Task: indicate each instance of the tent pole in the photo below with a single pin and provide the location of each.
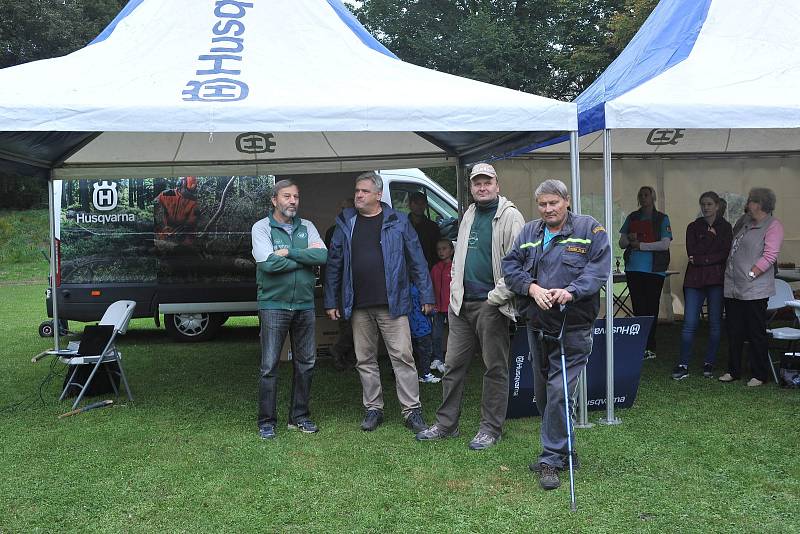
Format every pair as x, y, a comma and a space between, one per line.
610, 418
575, 173
53, 295
460, 193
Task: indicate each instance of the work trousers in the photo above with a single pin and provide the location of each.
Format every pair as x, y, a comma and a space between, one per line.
645, 290
367, 323
548, 388
275, 324
478, 325
747, 321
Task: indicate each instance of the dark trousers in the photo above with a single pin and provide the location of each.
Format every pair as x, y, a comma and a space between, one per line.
479, 325
645, 290
548, 388
422, 353
275, 324
746, 320
437, 336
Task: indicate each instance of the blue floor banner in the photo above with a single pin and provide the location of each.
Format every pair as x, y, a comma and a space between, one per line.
630, 338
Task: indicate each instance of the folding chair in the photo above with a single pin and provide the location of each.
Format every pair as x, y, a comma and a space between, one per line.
118, 315
784, 333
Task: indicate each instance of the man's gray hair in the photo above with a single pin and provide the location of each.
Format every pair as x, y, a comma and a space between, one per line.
763, 196
552, 187
373, 177
281, 184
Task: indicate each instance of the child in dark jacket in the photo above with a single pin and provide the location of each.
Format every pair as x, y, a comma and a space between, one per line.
440, 275
421, 338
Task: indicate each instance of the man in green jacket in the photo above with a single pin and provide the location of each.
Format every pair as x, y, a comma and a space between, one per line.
286, 249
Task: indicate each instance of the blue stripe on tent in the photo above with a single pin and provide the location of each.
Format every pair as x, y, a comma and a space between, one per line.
665, 39
127, 10
358, 29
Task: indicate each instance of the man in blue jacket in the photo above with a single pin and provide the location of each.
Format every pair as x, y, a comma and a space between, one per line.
559, 260
373, 253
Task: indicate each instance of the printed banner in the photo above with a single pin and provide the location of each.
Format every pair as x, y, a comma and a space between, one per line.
630, 338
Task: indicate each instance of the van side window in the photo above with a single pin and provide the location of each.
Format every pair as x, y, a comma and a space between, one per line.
439, 211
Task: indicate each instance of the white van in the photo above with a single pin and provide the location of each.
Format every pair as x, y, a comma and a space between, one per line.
180, 246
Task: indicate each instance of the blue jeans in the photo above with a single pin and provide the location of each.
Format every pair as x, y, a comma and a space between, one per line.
275, 324
437, 336
693, 304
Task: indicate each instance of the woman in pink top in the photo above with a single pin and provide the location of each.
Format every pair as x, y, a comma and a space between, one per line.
749, 282
440, 275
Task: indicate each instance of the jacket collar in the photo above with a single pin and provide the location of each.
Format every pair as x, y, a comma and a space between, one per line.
275, 224
566, 229
348, 215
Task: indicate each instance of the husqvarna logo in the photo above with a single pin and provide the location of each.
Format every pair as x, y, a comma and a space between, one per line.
104, 197
665, 136
255, 143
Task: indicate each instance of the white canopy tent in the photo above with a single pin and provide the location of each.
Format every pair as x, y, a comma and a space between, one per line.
701, 76
248, 87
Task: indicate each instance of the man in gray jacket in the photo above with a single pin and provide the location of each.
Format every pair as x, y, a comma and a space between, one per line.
560, 259
480, 310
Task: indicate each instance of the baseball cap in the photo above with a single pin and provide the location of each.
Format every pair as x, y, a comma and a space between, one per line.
483, 169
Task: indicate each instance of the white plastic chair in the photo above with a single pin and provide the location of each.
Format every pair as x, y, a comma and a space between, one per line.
117, 315
778, 301
785, 333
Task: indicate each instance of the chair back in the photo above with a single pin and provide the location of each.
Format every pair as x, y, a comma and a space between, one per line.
783, 294
119, 315
795, 305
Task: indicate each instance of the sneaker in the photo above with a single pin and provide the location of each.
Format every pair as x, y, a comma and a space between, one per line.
438, 365
649, 355
436, 432
306, 426
415, 422
708, 370
726, 378
430, 378
536, 467
266, 431
372, 420
548, 477
482, 441
754, 382
680, 372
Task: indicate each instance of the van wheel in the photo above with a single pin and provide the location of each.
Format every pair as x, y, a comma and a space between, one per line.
191, 327
46, 328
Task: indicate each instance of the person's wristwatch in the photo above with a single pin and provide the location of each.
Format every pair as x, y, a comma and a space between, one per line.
751, 275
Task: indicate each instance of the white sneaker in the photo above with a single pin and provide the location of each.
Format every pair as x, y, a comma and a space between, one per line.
437, 365
754, 382
430, 378
726, 378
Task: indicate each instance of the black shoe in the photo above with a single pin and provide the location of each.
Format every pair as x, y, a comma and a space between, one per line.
372, 420
548, 477
708, 370
306, 426
536, 467
266, 431
680, 372
415, 422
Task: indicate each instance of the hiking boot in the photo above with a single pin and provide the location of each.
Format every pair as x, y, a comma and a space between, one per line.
548, 477
415, 422
726, 378
430, 378
649, 355
306, 426
482, 441
372, 420
754, 382
708, 370
266, 431
536, 467
680, 372
436, 432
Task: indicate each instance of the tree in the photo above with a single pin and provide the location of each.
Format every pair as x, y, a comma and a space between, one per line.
38, 29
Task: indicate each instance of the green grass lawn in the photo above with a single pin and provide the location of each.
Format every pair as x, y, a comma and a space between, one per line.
695, 455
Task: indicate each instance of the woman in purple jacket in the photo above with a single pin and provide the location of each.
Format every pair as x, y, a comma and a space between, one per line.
708, 242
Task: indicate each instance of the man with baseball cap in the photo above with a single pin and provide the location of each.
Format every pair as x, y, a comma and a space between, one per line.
480, 309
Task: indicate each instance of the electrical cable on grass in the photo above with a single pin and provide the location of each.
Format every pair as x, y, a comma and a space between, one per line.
30, 401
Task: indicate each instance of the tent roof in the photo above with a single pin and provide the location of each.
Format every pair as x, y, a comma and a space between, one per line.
189, 78
703, 64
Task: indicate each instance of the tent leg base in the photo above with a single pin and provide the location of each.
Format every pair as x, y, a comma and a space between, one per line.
610, 422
